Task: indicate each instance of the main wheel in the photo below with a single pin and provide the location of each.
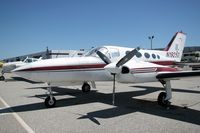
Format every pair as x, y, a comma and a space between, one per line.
161, 99
2, 78
86, 87
49, 103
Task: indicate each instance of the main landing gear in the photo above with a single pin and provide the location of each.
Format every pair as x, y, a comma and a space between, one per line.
2, 78
86, 87
164, 97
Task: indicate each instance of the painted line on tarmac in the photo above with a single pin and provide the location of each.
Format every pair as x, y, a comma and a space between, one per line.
18, 118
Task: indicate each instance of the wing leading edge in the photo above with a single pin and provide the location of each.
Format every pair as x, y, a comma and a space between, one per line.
180, 74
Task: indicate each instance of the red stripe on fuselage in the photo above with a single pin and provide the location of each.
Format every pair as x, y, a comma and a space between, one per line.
165, 63
76, 67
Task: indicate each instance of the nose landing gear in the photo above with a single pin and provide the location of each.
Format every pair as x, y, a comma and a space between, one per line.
50, 100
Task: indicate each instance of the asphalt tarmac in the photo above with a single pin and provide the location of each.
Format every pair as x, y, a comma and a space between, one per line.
22, 108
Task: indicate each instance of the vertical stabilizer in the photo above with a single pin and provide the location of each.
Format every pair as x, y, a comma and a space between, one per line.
175, 47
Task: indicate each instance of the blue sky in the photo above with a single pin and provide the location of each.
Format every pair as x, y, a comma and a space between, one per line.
28, 26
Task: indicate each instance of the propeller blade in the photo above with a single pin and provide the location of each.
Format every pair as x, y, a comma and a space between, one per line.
127, 57
103, 57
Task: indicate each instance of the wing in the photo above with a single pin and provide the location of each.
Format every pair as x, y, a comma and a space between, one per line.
179, 74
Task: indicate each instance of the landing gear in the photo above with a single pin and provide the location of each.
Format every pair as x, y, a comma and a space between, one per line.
50, 100
161, 100
2, 78
86, 87
164, 97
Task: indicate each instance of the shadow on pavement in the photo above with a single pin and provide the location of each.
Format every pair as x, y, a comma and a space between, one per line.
125, 104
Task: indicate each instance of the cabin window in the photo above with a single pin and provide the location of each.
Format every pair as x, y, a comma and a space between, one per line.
158, 56
147, 55
138, 54
154, 56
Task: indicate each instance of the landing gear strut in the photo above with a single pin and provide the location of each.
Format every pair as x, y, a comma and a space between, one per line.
86, 87
50, 100
164, 97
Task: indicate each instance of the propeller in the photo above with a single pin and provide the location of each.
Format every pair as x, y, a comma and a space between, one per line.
127, 57
103, 57
113, 68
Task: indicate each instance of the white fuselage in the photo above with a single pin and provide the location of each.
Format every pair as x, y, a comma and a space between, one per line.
87, 68
74, 69
145, 64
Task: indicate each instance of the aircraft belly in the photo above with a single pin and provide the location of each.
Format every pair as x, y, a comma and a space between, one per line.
68, 76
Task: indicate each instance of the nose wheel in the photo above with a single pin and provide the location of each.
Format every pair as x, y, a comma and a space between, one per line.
50, 100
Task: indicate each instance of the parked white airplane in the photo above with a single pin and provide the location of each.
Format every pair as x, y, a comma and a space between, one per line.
106, 64
8, 67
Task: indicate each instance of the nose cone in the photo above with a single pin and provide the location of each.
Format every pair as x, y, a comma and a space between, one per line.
22, 68
23, 71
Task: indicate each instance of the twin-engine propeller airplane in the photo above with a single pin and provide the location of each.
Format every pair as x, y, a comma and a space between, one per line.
110, 63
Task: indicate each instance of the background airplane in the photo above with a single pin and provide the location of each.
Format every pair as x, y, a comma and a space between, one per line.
8, 67
1, 64
110, 63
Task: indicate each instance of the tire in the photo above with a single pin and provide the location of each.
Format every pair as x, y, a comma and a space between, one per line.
2, 78
86, 87
50, 103
161, 99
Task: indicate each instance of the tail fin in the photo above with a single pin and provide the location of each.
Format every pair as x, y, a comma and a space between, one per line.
175, 47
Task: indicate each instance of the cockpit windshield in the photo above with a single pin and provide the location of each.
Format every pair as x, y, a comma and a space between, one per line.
92, 52
30, 60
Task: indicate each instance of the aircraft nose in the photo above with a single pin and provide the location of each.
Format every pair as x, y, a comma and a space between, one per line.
18, 69
22, 69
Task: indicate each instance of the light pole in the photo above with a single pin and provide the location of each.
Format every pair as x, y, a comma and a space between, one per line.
151, 38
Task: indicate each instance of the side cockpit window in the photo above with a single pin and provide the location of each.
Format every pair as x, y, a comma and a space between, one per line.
92, 52
28, 60
114, 52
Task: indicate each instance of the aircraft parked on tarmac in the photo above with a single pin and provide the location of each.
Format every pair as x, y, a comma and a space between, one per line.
110, 63
8, 67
